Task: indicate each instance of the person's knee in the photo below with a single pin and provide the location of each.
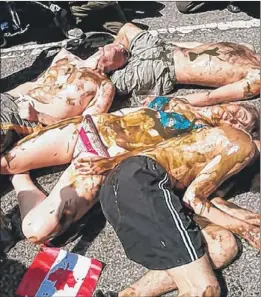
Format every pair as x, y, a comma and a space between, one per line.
33, 230
228, 247
225, 248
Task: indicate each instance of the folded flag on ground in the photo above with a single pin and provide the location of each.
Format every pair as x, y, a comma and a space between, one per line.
55, 272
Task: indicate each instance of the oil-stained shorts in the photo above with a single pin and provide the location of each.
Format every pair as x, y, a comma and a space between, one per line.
150, 220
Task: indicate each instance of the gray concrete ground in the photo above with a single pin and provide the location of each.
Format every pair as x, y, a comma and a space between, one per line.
239, 279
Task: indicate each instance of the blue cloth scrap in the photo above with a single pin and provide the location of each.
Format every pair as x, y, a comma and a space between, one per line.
176, 121
159, 103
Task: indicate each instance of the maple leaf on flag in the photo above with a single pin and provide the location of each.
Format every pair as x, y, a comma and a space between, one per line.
61, 277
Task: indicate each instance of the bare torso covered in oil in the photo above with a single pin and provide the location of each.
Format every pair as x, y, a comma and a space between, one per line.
143, 128
185, 157
215, 64
67, 85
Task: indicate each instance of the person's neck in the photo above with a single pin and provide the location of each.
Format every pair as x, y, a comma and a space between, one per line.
92, 61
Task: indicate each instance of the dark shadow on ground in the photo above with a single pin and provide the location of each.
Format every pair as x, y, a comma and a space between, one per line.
88, 228
6, 185
42, 28
222, 283
94, 222
247, 180
41, 63
252, 8
141, 9
85, 48
12, 272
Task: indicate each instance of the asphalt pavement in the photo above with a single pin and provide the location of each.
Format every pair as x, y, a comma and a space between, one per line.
241, 279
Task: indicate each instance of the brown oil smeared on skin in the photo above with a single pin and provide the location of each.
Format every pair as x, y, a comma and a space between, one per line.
137, 129
70, 101
211, 52
247, 91
211, 291
9, 158
62, 124
67, 76
129, 293
186, 157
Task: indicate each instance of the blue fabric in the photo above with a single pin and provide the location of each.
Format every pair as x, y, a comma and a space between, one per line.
159, 103
177, 121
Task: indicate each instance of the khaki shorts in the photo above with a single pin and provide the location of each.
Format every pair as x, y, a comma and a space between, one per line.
150, 69
12, 127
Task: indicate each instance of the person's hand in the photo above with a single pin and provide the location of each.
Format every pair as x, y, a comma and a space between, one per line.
146, 101
89, 165
27, 112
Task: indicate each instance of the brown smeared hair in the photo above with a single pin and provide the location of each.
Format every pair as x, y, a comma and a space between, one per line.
254, 126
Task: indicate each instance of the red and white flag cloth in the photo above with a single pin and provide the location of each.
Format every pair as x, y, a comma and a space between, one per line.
55, 272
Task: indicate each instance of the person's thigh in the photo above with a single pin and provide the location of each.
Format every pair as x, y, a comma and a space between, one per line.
69, 200
221, 245
148, 217
51, 147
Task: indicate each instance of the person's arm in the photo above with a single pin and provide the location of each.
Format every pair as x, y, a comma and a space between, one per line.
27, 112
236, 155
100, 165
244, 89
103, 99
46, 119
21, 89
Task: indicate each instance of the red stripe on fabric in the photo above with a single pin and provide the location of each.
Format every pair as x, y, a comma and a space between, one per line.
87, 142
37, 272
89, 284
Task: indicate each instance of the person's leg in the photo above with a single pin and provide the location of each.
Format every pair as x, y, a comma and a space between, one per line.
236, 211
221, 248
193, 44
98, 15
190, 6
127, 33
199, 6
221, 245
50, 146
155, 230
45, 217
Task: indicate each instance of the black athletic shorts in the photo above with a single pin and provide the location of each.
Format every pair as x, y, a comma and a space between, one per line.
150, 220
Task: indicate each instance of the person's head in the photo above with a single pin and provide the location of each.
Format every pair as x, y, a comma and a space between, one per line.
238, 115
113, 56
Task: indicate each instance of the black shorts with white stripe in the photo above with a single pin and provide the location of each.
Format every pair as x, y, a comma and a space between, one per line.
151, 222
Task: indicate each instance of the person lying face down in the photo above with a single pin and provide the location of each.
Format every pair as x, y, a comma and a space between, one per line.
69, 87
155, 66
